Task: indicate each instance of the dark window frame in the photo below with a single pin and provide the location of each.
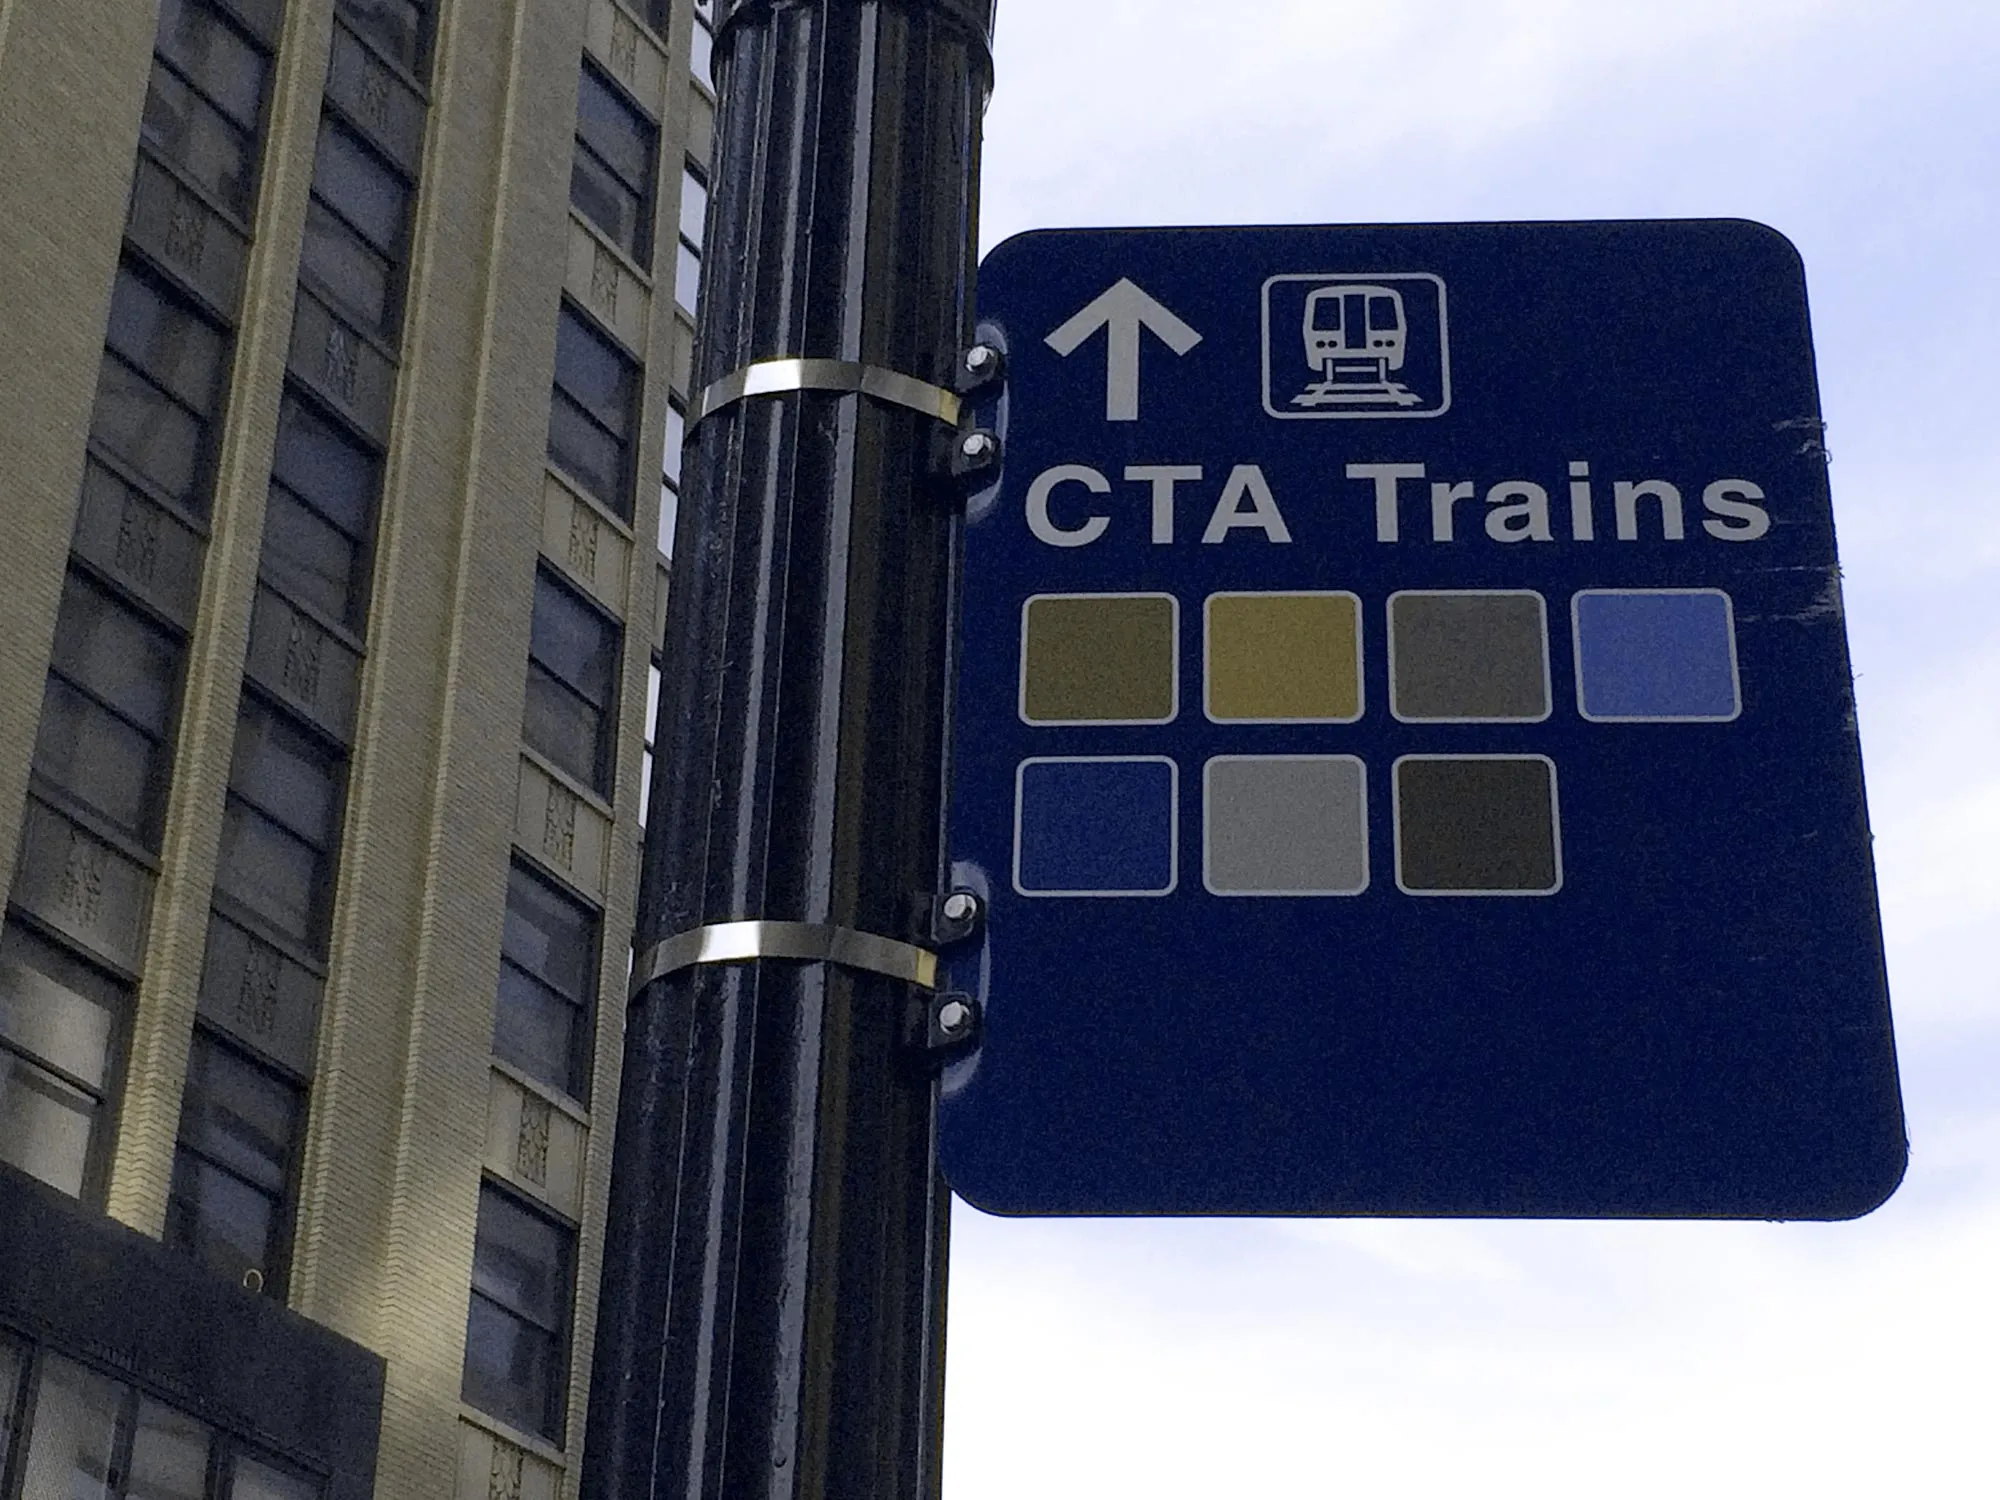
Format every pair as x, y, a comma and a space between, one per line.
414, 70
388, 335
284, 1218
606, 713
350, 624
644, 191
582, 1006
252, 133
563, 399
309, 947
117, 1049
555, 1417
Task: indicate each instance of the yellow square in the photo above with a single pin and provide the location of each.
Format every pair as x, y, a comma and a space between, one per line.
1098, 659
1284, 658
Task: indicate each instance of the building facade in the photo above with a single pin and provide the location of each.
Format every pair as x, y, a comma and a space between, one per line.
346, 350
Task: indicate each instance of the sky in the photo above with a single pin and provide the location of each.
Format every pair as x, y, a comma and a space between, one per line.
1411, 1359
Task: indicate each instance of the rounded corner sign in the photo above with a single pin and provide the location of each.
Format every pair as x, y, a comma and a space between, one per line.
1402, 677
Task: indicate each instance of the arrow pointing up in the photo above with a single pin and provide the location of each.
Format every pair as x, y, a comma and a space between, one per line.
1122, 311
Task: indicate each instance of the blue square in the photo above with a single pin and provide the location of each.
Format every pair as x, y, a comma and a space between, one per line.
1095, 827
1650, 655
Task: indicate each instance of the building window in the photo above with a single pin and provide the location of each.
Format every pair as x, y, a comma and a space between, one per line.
91, 1435
517, 1330
591, 412
229, 1204
60, 1019
657, 13
356, 225
548, 977
159, 388
396, 26
671, 455
321, 513
280, 823
204, 101
108, 707
650, 731
693, 225
572, 677
702, 62
611, 175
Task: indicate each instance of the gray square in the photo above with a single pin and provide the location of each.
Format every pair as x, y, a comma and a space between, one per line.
1469, 657
1284, 825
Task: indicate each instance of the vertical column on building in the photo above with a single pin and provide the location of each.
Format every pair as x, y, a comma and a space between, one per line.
78, 913
251, 1057
620, 336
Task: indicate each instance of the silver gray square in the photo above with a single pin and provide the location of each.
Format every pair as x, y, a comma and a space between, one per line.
1285, 826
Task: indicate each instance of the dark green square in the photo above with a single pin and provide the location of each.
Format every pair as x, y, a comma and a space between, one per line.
1477, 825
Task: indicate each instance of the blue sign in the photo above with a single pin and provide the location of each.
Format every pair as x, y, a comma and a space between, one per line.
1405, 738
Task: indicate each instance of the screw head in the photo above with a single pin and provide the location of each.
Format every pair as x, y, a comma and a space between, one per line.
961, 906
953, 1017
978, 445
980, 358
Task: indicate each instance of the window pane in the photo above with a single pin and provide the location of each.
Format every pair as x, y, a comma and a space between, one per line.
139, 542
549, 935
645, 787
75, 1436
325, 467
224, 65
99, 759
573, 641
670, 513
269, 871
56, 1007
135, 420
563, 727
396, 26
120, 657
189, 132
511, 1369
617, 132
594, 373
588, 454
359, 278
239, 1116
255, 1481
675, 448
357, 182
703, 62
687, 277
169, 1455
157, 333
45, 1125
520, 1260
308, 559
694, 206
606, 202
286, 772
536, 1030
222, 1221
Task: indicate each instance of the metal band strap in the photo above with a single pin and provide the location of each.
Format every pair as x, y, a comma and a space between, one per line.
772, 377
740, 942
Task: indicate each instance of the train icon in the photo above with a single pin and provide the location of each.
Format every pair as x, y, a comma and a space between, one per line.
1357, 346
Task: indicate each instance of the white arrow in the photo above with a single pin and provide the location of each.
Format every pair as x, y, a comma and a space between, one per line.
1122, 311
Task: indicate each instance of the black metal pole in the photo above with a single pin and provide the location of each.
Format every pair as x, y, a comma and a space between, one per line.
771, 1312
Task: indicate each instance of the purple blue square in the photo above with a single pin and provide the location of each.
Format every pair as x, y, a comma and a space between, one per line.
1653, 655
1102, 826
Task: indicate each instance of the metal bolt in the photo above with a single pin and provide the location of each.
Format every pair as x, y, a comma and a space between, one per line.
953, 1017
980, 358
960, 906
978, 446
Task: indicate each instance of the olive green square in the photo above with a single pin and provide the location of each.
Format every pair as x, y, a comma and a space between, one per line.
1284, 658
1098, 659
